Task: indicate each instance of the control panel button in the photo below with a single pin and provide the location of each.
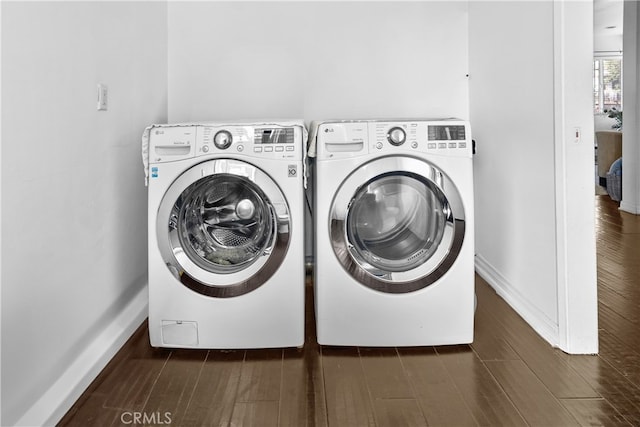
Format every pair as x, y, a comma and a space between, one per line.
431, 146
452, 145
379, 145
414, 144
268, 149
223, 139
257, 149
279, 148
205, 149
240, 148
442, 145
290, 148
396, 136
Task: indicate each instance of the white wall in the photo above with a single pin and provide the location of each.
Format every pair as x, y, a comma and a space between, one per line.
608, 44
317, 60
73, 195
512, 113
631, 129
607, 41
529, 89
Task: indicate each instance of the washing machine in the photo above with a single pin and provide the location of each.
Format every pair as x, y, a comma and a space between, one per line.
226, 235
394, 233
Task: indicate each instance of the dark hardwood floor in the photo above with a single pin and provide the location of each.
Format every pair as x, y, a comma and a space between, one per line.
508, 376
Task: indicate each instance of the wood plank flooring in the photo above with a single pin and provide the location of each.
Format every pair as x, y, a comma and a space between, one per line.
509, 376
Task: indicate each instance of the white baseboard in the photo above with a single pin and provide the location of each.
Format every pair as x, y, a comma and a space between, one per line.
61, 396
629, 208
534, 317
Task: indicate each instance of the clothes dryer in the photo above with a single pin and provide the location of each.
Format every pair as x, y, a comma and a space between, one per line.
226, 235
394, 233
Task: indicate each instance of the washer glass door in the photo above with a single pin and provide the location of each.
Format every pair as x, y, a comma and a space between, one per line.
401, 228
223, 223
223, 228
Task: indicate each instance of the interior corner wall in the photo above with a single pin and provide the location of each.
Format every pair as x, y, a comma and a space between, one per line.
511, 90
317, 60
73, 195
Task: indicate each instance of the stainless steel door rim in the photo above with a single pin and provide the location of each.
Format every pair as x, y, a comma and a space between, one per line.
397, 224
223, 228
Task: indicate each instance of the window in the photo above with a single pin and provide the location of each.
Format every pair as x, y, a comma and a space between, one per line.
607, 84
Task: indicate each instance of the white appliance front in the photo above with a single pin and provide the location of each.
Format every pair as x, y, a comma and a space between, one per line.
394, 233
226, 236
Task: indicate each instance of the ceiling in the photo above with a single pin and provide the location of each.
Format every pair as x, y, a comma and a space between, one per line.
607, 24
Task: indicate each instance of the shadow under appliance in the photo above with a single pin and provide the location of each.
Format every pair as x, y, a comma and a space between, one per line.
226, 235
394, 233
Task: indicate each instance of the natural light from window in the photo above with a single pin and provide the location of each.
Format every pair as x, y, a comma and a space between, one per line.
607, 84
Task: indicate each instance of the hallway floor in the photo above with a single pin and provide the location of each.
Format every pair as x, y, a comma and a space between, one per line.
508, 376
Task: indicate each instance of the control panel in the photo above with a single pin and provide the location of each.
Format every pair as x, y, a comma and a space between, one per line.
448, 137
443, 137
254, 141
172, 143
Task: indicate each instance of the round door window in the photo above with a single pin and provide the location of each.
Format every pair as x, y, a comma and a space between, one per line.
223, 228
397, 224
223, 222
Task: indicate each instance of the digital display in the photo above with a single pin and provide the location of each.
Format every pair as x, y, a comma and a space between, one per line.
266, 136
446, 133
273, 136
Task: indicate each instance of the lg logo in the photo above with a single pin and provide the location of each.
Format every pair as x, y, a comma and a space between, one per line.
144, 418
327, 130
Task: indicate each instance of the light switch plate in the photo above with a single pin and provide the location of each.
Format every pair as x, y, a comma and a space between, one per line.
103, 93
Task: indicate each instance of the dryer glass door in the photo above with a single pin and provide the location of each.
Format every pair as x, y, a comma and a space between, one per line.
223, 228
397, 224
